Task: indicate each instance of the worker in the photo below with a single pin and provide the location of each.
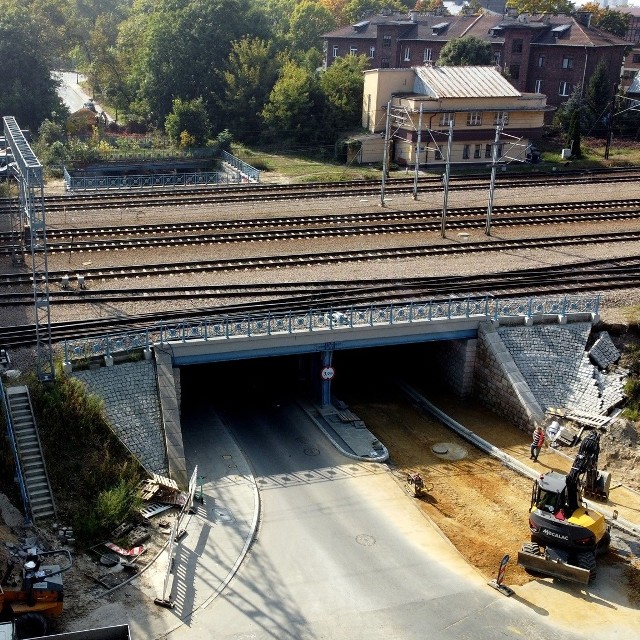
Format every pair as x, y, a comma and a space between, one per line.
536, 444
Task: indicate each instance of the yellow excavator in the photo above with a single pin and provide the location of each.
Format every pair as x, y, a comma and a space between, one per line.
566, 536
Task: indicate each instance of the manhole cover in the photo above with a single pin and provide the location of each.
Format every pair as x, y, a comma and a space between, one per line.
312, 451
365, 540
449, 451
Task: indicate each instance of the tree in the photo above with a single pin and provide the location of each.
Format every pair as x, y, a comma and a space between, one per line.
309, 20
252, 70
433, 6
553, 7
355, 10
562, 117
573, 135
289, 113
182, 47
597, 96
342, 85
466, 51
614, 22
187, 125
27, 90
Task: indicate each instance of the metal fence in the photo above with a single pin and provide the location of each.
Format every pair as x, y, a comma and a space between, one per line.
209, 328
104, 183
243, 173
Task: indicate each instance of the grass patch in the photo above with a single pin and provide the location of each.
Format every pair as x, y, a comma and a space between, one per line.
92, 475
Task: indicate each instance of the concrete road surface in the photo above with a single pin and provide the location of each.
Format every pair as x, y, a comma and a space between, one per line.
341, 553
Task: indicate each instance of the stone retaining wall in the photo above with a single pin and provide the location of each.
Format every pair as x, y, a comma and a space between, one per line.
500, 385
130, 395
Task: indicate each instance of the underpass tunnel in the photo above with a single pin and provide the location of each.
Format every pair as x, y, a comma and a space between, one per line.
365, 373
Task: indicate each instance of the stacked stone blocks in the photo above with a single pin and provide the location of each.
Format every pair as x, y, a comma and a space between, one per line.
130, 395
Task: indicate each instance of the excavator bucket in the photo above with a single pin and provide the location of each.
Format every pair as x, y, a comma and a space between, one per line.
538, 563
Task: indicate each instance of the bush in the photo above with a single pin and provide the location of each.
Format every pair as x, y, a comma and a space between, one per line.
92, 474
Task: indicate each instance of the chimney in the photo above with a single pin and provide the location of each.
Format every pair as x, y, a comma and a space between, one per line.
413, 16
584, 17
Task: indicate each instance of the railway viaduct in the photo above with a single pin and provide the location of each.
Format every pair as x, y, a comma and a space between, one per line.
502, 350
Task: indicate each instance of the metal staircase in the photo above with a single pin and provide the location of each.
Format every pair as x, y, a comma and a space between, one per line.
34, 471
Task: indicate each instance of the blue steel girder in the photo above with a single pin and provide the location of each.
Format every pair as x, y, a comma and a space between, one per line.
32, 217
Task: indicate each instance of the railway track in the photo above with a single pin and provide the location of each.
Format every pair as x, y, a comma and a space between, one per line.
323, 226
96, 274
260, 193
574, 278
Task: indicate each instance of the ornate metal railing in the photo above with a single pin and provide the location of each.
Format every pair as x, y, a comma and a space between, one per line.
245, 172
245, 169
101, 183
216, 328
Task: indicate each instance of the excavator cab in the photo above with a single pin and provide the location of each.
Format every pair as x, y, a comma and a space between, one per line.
549, 494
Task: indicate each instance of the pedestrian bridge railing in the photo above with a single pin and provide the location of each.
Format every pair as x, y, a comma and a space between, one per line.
329, 319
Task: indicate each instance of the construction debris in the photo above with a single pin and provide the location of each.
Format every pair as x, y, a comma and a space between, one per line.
160, 489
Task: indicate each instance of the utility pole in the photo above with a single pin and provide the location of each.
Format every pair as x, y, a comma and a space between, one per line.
385, 155
610, 125
447, 171
415, 182
492, 185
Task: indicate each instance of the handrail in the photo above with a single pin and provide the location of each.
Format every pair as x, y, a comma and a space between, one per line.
16, 457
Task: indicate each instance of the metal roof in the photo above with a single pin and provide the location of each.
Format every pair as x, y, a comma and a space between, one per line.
462, 82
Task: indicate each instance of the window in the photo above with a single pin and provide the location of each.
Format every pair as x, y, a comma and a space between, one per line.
501, 117
428, 55
516, 46
386, 41
487, 151
474, 118
636, 58
496, 58
476, 151
353, 51
372, 52
514, 71
538, 86
565, 89
438, 153
446, 119
465, 152
384, 63
541, 60
407, 54
335, 51
567, 62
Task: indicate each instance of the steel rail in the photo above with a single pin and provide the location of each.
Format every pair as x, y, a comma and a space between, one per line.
311, 259
105, 201
522, 214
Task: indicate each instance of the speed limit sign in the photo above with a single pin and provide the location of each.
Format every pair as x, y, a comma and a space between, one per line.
327, 373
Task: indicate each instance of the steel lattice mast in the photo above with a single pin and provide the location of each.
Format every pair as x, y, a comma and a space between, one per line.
28, 172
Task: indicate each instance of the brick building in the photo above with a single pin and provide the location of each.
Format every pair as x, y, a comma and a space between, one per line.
540, 54
631, 67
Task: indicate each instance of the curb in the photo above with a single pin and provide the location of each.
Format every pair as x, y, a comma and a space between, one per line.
383, 457
619, 523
